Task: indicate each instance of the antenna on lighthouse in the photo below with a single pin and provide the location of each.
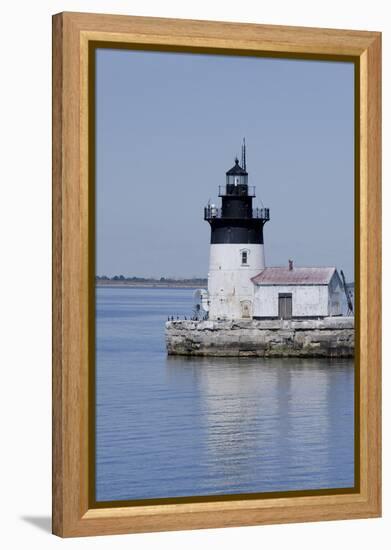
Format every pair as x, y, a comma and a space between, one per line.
244, 154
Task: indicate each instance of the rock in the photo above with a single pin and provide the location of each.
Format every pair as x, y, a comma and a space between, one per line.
328, 337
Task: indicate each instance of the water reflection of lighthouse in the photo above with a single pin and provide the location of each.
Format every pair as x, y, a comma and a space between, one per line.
272, 426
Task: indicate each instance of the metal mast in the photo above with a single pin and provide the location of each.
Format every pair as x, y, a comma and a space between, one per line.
244, 154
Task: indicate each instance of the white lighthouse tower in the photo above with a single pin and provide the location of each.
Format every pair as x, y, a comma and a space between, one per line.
236, 246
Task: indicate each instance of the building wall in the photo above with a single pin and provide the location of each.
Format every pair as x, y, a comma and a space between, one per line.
307, 300
337, 297
230, 290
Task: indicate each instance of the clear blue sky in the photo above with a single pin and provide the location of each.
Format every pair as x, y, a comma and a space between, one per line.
168, 128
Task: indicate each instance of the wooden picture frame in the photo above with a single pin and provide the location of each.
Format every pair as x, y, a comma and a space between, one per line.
74, 35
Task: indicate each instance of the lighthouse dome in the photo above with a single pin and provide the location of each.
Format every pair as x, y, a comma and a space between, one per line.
237, 175
236, 170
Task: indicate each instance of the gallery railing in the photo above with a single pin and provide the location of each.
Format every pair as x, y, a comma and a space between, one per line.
212, 212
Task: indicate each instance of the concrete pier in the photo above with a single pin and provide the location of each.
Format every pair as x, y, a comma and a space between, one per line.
326, 337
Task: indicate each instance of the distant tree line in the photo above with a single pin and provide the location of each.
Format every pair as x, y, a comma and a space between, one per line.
150, 279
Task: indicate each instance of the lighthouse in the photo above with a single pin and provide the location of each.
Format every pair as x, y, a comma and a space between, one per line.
236, 246
269, 299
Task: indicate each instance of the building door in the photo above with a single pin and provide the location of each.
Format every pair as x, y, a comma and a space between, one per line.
285, 306
246, 309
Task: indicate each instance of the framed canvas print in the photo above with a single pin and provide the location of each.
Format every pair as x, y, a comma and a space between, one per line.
216, 274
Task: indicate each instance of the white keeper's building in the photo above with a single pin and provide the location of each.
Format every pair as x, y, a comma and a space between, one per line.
298, 292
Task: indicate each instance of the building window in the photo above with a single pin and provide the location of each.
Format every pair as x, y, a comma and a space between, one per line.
244, 257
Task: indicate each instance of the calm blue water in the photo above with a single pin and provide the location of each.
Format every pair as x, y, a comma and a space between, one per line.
169, 427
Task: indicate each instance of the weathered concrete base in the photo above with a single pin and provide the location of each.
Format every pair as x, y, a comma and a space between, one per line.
327, 337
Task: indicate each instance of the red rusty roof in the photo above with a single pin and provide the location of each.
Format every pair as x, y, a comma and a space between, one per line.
294, 276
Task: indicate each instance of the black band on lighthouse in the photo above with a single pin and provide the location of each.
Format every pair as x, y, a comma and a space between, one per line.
245, 232
236, 222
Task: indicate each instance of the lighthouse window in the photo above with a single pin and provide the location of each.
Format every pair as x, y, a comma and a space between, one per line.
244, 257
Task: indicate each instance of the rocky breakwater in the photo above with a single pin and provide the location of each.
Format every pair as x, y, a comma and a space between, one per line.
327, 337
